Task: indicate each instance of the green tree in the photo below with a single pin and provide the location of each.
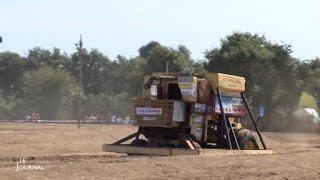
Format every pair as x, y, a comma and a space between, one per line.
270, 71
45, 90
11, 69
107, 103
96, 71
126, 76
310, 74
5, 109
145, 50
38, 57
157, 55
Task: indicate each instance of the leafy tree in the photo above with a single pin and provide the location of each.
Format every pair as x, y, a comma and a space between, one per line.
184, 51
95, 75
135, 77
145, 50
270, 71
126, 76
310, 74
106, 103
38, 57
199, 66
5, 109
45, 90
157, 56
96, 71
11, 69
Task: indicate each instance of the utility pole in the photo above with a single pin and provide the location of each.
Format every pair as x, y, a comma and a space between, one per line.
80, 82
0, 39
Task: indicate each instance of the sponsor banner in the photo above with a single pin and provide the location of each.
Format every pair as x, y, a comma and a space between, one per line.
185, 85
196, 119
149, 118
231, 82
188, 88
148, 111
231, 105
187, 91
154, 91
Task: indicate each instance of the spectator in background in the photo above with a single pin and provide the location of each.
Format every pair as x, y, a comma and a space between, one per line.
33, 117
108, 118
113, 118
93, 118
86, 118
37, 116
28, 117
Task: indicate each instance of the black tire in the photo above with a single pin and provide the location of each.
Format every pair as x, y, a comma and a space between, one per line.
246, 140
139, 143
196, 142
197, 145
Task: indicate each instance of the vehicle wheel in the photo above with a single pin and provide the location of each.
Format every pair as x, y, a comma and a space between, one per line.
197, 145
246, 140
139, 143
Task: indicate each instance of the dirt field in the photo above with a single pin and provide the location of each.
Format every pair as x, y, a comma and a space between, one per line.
65, 152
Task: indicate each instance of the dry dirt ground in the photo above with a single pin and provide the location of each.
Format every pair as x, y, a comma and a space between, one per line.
66, 152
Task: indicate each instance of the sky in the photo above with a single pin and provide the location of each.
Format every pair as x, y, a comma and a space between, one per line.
121, 27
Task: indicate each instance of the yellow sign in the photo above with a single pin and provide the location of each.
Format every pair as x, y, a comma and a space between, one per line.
225, 82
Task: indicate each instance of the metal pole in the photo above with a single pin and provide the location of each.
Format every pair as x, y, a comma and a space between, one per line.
252, 119
167, 68
258, 119
224, 119
233, 133
80, 81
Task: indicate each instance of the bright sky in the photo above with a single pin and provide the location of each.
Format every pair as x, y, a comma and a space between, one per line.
122, 26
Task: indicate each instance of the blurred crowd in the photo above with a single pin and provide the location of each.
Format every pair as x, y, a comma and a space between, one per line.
33, 117
108, 118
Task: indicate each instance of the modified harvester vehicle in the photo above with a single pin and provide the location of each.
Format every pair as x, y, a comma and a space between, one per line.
191, 112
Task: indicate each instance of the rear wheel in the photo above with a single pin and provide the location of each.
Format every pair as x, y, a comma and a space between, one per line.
246, 140
197, 145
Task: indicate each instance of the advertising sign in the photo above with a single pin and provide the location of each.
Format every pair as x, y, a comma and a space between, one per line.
231, 105
188, 87
148, 111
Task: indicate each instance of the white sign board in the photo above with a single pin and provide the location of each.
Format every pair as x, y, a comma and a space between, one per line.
148, 111
154, 90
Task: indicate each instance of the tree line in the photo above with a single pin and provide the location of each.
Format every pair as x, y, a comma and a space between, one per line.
45, 81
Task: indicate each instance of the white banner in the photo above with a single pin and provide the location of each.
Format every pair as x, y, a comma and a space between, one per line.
149, 118
148, 111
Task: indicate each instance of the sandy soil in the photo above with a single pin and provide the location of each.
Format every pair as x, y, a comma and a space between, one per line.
66, 152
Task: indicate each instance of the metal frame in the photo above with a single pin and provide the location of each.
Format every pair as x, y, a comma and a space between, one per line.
253, 121
177, 151
227, 125
184, 138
